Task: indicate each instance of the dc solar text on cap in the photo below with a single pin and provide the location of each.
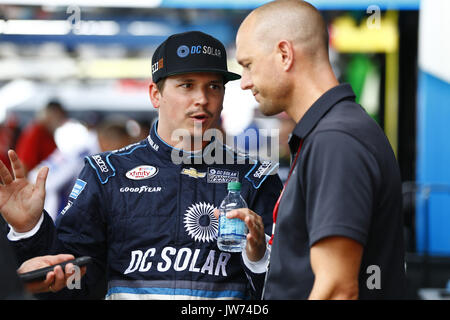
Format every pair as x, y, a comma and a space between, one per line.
187, 52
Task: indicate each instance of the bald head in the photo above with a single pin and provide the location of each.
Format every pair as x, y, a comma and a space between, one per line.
293, 20
282, 47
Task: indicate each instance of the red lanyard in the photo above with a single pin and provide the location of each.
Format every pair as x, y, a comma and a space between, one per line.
275, 209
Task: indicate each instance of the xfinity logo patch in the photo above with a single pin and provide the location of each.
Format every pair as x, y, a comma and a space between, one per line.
142, 172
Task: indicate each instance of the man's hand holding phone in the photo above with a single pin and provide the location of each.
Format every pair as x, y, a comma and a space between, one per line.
54, 279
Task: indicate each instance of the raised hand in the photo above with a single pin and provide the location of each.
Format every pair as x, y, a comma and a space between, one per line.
21, 202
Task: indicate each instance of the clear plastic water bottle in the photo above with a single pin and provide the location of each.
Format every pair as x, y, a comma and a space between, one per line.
232, 232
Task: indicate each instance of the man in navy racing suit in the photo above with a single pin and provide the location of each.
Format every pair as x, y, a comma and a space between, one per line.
145, 213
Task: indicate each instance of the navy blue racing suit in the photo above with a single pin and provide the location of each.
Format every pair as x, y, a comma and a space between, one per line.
148, 223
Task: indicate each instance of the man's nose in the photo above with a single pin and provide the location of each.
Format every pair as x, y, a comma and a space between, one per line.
201, 97
246, 82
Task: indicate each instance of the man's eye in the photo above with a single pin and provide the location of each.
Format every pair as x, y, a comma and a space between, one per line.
186, 85
215, 86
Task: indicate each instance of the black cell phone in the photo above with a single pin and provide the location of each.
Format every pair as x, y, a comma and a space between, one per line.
40, 274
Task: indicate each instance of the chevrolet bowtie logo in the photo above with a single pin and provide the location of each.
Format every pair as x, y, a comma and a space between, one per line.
191, 172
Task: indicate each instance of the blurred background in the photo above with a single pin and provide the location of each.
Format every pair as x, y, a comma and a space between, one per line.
74, 79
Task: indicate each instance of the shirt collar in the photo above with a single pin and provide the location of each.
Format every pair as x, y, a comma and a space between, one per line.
316, 112
167, 151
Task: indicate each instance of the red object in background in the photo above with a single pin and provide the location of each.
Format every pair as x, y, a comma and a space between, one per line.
8, 132
133, 85
35, 144
4, 146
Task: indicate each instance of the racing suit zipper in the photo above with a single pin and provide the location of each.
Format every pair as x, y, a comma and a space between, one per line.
177, 241
178, 211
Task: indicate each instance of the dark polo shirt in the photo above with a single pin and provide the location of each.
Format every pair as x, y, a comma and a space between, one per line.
346, 182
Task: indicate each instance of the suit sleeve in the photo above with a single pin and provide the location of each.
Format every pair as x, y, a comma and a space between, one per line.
263, 202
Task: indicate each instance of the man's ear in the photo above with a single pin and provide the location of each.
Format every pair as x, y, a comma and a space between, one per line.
154, 94
285, 52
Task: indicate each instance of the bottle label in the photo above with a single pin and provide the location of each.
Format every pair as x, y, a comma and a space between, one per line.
234, 226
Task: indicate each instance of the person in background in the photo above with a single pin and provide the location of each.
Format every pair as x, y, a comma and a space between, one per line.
113, 134
66, 161
36, 142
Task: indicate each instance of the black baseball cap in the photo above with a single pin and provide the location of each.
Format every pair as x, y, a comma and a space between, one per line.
187, 52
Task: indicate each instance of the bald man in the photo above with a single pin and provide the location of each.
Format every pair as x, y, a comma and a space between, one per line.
338, 223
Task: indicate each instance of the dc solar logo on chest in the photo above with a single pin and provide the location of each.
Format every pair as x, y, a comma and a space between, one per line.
200, 222
183, 51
